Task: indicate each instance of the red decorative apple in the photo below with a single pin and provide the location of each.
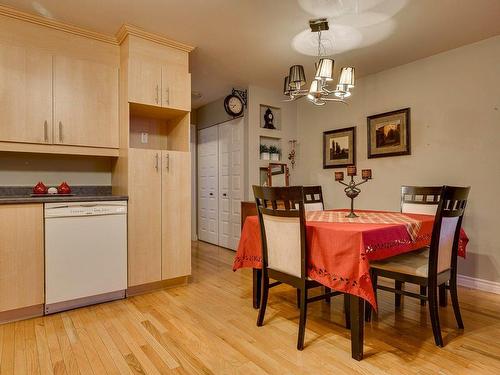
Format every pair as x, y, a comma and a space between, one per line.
64, 188
40, 188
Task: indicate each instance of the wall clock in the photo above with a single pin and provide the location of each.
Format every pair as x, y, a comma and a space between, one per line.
233, 105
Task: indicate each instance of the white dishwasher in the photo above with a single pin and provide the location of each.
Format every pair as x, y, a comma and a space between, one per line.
85, 253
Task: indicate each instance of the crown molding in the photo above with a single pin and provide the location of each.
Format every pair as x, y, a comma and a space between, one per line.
122, 33
127, 30
57, 25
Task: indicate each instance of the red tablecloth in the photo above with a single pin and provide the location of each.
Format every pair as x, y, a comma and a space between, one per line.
339, 253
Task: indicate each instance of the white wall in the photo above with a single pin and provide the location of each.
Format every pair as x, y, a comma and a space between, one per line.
455, 139
257, 96
19, 169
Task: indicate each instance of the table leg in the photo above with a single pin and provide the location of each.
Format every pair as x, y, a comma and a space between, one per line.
257, 287
357, 327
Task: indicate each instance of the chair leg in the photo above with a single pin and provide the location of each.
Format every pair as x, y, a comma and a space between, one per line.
347, 310
302, 320
443, 297
263, 300
423, 291
298, 298
433, 309
327, 290
454, 302
397, 297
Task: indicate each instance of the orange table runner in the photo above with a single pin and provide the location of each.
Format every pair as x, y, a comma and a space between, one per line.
339, 252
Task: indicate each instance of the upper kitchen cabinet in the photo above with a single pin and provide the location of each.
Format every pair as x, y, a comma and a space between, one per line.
85, 103
144, 80
176, 87
157, 69
25, 94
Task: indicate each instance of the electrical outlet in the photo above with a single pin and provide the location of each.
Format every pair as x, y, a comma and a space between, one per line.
144, 137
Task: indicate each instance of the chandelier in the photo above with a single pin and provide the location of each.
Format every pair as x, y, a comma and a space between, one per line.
319, 92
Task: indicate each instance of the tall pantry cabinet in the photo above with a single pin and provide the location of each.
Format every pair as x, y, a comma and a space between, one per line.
154, 165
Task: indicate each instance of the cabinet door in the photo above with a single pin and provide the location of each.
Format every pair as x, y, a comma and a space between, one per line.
25, 95
176, 214
144, 81
21, 256
176, 87
85, 103
144, 216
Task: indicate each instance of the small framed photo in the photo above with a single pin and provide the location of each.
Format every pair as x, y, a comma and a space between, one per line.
339, 148
389, 134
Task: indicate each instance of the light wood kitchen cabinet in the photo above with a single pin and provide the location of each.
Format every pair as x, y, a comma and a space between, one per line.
176, 218
25, 95
85, 103
159, 219
176, 87
144, 217
21, 258
144, 78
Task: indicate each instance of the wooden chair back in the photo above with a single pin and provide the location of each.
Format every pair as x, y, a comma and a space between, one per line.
446, 230
313, 198
283, 229
420, 199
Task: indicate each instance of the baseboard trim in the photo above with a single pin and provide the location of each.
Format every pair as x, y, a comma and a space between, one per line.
480, 284
156, 285
21, 313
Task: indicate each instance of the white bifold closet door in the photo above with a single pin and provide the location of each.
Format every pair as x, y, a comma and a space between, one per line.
208, 185
229, 169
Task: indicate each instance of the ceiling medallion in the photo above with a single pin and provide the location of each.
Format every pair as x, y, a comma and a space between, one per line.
319, 92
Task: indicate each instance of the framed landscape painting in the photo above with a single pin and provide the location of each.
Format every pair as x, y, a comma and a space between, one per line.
389, 134
339, 148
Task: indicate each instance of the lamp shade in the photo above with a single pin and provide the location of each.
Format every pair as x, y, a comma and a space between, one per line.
297, 76
314, 90
325, 69
347, 77
342, 91
286, 86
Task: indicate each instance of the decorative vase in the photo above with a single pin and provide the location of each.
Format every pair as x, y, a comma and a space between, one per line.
265, 155
40, 188
64, 188
275, 157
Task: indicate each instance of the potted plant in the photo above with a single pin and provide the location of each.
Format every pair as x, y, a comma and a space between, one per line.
264, 152
275, 153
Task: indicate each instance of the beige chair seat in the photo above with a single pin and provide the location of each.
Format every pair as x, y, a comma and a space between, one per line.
414, 263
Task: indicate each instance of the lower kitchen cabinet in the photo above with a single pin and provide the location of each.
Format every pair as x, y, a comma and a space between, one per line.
21, 261
159, 246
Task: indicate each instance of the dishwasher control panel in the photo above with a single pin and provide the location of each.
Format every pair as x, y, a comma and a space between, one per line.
85, 209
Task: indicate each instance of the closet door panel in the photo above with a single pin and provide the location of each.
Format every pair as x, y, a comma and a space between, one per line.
237, 175
225, 185
208, 185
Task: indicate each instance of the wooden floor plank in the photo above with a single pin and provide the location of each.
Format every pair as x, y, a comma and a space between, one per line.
208, 327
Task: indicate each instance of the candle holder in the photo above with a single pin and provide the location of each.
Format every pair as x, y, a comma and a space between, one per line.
351, 189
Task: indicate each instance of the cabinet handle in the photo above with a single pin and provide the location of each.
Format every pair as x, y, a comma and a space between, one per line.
45, 131
168, 162
60, 131
156, 162
157, 94
167, 91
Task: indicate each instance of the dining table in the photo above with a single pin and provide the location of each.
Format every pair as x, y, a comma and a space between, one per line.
340, 250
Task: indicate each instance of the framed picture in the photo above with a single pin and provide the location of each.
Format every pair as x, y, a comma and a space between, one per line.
389, 134
339, 148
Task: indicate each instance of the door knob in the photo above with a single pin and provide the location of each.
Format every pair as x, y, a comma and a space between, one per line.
225, 195
211, 194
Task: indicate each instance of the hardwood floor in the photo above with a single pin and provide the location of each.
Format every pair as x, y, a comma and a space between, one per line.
208, 327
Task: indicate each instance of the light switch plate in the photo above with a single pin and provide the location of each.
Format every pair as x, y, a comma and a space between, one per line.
144, 137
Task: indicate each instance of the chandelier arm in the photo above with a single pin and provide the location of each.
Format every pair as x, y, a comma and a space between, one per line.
335, 100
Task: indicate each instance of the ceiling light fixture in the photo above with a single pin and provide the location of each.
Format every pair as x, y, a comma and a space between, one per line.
319, 93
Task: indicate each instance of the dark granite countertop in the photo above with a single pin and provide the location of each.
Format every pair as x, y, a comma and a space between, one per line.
21, 194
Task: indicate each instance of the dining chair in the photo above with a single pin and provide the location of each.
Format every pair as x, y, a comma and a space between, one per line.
433, 266
313, 198
420, 200
284, 248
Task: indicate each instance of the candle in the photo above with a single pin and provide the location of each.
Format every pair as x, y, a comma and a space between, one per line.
339, 176
351, 170
366, 174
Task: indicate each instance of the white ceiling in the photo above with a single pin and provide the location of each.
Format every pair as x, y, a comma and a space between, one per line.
250, 41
